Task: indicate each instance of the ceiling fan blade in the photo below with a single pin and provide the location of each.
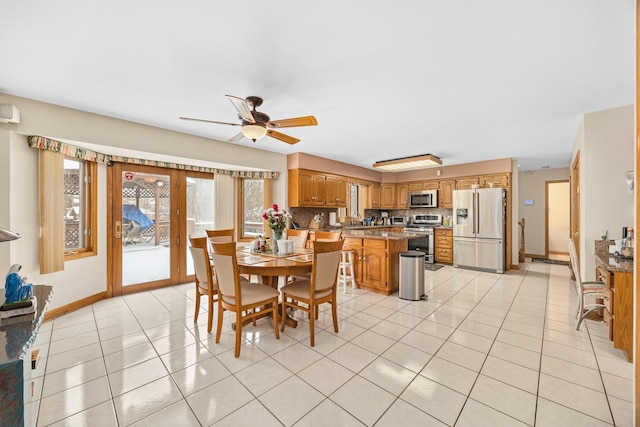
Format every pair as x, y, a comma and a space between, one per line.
236, 137
298, 121
209, 121
243, 108
282, 137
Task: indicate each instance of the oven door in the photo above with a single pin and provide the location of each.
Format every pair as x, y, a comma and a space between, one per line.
423, 244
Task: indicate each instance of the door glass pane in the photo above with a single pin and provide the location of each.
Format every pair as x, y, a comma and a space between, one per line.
146, 209
200, 207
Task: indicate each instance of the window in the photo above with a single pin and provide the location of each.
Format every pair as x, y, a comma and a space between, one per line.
353, 207
251, 208
79, 208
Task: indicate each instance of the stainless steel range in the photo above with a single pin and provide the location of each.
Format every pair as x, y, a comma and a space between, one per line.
424, 223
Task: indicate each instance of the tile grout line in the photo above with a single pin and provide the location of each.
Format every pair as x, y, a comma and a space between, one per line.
489, 351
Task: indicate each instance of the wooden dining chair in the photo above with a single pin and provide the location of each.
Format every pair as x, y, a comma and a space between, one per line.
585, 289
319, 289
243, 298
299, 237
205, 282
222, 235
328, 236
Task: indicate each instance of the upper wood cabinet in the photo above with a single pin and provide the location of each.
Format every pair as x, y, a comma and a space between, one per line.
402, 196
430, 185
374, 196
483, 181
494, 180
467, 182
310, 189
387, 196
423, 185
445, 194
335, 191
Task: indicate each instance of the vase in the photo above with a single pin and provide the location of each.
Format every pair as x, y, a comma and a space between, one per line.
277, 235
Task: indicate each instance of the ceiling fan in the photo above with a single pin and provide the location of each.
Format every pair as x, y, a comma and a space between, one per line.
256, 125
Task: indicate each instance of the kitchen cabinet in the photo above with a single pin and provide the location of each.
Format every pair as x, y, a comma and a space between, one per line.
376, 262
445, 193
467, 182
312, 189
494, 181
374, 196
430, 185
443, 245
483, 181
335, 191
388, 196
619, 302
415, 186
306, 188
402, 196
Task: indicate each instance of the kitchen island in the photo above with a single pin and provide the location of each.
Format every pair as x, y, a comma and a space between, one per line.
376, 256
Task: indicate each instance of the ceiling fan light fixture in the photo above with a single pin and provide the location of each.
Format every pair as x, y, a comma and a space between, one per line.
411, 162
8, 235
254, 132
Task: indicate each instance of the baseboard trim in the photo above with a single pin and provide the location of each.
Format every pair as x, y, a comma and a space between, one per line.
534, 256
515, 266
76, 305
558, 253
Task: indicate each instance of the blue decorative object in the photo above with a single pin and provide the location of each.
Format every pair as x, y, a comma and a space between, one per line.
16, 288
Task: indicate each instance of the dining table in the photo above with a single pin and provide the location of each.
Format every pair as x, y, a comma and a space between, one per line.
269, 267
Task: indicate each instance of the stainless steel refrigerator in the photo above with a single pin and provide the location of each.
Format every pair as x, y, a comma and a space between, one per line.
478, 229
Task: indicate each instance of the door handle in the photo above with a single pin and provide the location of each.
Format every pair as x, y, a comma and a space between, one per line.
118, 228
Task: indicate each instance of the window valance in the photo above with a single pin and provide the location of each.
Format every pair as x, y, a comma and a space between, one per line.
69, 150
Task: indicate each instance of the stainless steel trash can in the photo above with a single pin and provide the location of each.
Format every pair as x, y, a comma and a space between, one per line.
412, 275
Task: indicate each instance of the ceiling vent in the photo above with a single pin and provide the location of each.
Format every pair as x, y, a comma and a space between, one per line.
9, 114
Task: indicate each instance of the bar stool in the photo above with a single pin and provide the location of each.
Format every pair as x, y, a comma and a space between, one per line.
345, 270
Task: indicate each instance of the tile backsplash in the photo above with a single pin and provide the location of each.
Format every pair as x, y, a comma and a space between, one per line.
303, 216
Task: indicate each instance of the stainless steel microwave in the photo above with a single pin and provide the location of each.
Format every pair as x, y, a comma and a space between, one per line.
423, 199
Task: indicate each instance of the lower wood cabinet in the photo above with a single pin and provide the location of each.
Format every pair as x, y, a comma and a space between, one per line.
443, 248
376, 262
619, 303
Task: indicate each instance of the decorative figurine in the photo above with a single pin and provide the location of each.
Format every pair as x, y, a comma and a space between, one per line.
16, 287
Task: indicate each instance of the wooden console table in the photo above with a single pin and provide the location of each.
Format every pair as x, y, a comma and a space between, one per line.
18, 334
617, 275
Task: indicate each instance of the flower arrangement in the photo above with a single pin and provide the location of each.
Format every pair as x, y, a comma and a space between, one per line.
276, 218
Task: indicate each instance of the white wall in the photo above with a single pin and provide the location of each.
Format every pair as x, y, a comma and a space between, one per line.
19, 182
606, 145
532, 186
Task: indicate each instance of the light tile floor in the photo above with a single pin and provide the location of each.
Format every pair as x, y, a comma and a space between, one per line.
484, 350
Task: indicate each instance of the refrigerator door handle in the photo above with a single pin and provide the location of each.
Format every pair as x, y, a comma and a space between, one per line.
473, 213
478, 214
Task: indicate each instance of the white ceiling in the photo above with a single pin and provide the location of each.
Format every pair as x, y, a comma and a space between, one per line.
466, 80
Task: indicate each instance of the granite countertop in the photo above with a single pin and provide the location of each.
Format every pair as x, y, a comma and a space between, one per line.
610, 261
357, 227
19, 334
613, 263
379, 234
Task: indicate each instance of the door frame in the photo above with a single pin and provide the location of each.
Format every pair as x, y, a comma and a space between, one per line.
114, 232
574, 204
546, 213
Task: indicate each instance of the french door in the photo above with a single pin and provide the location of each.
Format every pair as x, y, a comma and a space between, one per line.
152, 211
